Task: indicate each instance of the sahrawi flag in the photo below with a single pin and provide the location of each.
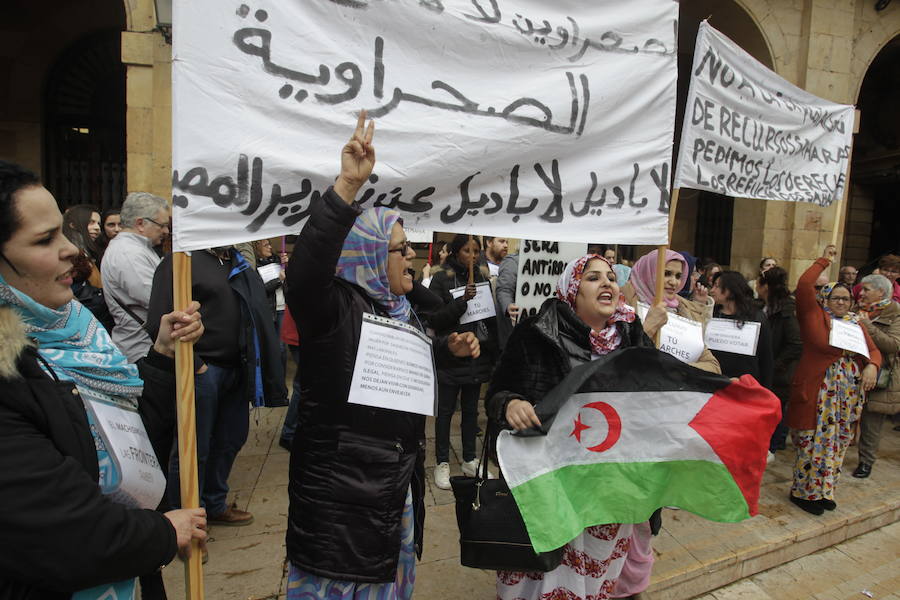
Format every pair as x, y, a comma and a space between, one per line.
634, 431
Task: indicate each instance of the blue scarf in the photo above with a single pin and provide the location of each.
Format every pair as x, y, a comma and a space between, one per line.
364, 260
75, 345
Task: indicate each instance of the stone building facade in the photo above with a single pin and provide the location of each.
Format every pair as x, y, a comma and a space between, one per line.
829, 47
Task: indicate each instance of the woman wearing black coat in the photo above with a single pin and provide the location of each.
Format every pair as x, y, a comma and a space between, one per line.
357, 477
68, 528
460, 378
787, 345
588, 319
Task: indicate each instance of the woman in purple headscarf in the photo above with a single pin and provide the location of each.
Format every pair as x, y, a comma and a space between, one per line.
357, 477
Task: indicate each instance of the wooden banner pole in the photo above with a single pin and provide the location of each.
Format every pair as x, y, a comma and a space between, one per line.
839, 210
661, 254
187, 424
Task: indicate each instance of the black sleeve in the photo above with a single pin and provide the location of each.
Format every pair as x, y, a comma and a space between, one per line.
764, 352
57, 531
791, 346
157, 404
312, 295
446, 317
508, 379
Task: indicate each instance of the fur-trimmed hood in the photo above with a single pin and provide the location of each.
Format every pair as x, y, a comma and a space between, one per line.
13, 342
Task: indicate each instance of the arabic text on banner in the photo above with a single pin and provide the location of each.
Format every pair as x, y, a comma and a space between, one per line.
750, 133
519, 118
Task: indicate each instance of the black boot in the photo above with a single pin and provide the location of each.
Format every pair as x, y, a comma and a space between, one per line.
811, 506
827, 504
862, 470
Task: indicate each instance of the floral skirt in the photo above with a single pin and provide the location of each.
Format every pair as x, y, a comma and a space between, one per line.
306, 586
590, 566
820, 451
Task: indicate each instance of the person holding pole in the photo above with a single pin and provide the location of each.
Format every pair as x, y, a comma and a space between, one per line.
78, 519
460, 378
641, 286
357, 473
829, 386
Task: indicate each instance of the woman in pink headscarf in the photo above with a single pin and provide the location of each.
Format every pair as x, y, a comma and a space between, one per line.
641, 287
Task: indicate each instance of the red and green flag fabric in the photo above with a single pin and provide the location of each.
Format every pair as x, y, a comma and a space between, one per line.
634, 431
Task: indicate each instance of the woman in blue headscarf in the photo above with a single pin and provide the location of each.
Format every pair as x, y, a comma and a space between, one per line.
357, 477
78, 495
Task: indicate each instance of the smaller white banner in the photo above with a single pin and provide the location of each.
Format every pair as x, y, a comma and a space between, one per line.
269, 272
478, 308
726, 336
848, 336
141, 480
418, 235
394, 367
540, 265
680, 337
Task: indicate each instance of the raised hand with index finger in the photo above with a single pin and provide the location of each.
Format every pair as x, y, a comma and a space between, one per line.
357, 160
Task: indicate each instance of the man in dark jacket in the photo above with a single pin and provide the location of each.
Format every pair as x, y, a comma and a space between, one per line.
241, 363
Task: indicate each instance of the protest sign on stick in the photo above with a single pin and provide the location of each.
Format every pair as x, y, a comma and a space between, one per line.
540, 265
750, 133
523, 118
187, 423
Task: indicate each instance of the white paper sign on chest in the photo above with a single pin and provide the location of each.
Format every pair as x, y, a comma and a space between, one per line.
727, 335
478, 308
394, 367
680, 337
848, 336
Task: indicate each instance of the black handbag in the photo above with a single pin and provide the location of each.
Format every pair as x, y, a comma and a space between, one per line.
492, 534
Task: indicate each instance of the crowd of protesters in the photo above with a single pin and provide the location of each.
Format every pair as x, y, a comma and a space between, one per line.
87, 315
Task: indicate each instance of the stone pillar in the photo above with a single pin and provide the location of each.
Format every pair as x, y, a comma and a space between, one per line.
148, 139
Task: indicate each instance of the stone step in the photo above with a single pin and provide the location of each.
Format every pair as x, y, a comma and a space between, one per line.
695, 556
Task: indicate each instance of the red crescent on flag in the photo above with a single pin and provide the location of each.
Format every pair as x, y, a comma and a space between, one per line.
614, 422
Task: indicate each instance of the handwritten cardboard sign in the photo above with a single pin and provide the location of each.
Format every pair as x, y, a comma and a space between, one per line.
727, 335
478, 308
680, 337
848, 336
750, 133
265, 95
540, 265
394, 367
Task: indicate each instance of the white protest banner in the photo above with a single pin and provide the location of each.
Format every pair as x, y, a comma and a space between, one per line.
480, 307
540, 265
680, 337
848, 336
727, 335
525, 118
750, 133
394, 367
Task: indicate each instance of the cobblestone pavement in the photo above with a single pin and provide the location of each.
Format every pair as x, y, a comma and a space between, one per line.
836, 562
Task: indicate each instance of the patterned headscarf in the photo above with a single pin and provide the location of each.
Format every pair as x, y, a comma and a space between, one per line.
76, 346
607, 339
643, 276
365, 256
822, 298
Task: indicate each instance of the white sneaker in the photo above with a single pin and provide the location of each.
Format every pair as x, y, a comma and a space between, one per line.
770, 458
442, 476
471, 468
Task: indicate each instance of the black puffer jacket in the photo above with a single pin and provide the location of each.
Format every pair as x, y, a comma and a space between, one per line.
58, 533
453, 370
542, 350
351, 465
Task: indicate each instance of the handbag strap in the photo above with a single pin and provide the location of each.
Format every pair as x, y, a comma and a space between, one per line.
141, 323
483, 465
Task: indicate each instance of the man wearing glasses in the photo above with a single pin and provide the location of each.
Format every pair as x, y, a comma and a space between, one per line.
127, 270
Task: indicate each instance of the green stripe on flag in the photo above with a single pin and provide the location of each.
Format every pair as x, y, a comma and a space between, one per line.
558, 505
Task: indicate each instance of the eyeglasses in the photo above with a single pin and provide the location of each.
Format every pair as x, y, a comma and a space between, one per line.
846, 300
158, 224
403, 249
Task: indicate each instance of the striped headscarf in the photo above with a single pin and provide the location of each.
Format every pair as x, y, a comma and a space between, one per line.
365, 256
